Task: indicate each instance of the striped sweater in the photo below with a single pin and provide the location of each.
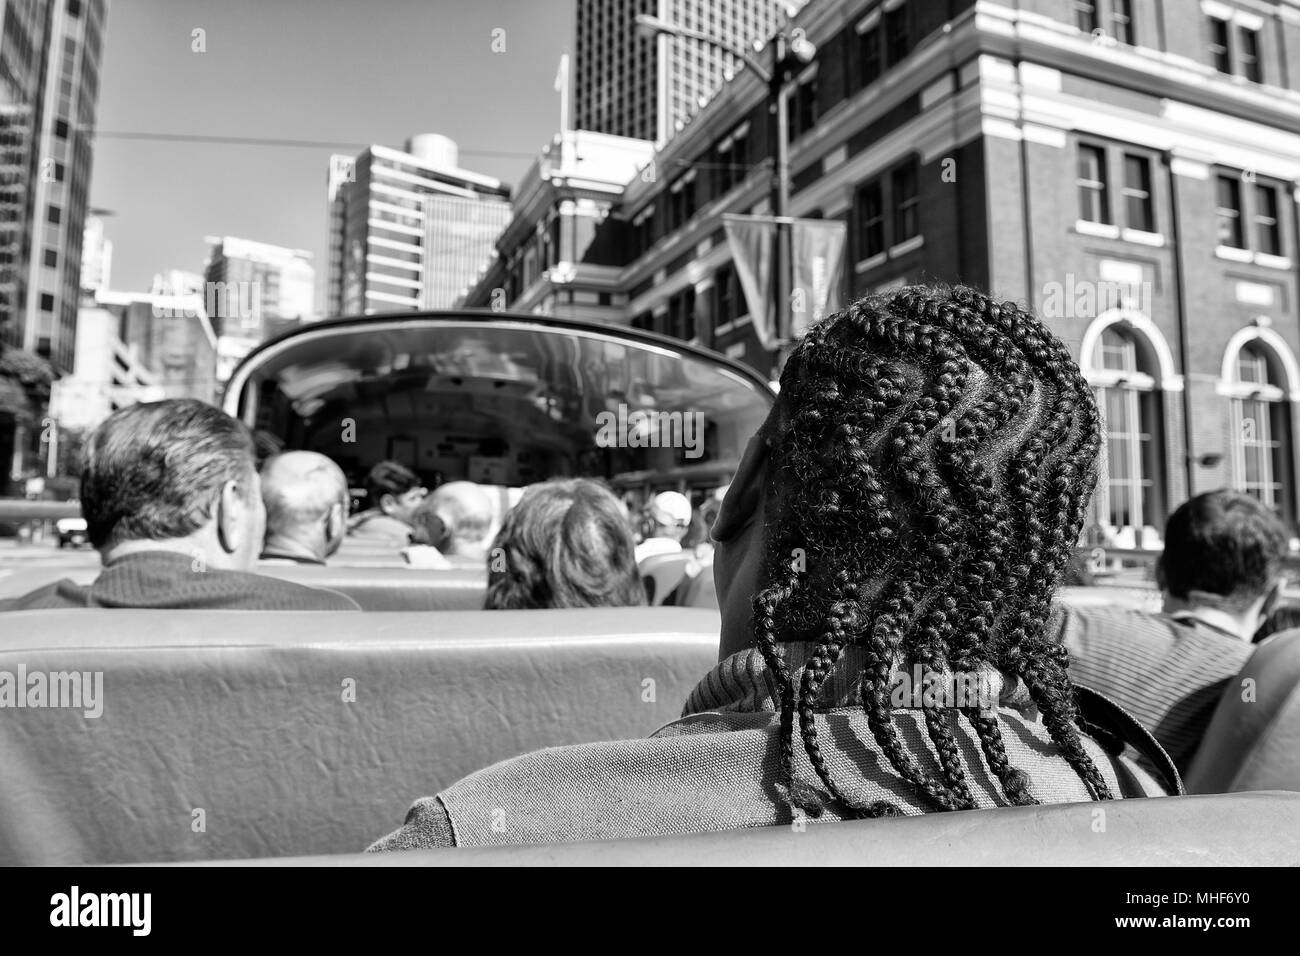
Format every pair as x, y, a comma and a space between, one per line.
1167, 673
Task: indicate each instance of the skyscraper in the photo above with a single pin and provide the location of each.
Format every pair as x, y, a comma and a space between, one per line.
253, 291
24, 28
629, 85
409, 230
61, 184
96, 258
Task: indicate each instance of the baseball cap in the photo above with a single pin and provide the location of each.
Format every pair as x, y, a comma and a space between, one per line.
671, 507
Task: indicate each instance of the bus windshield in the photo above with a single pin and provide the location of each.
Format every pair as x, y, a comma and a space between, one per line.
501, 401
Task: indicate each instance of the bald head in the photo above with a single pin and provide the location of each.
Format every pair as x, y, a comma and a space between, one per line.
306, 498
468, 514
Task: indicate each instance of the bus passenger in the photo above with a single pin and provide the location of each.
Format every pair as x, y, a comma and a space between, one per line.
173, 504
885, 561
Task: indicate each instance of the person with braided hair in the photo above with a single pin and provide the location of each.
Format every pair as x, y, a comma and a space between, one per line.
907, 508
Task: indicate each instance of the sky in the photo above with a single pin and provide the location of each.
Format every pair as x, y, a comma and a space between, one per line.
355, 72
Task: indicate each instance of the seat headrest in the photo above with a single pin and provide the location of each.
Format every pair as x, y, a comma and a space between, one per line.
1253, 741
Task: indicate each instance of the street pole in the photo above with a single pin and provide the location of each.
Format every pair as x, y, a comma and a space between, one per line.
780, 202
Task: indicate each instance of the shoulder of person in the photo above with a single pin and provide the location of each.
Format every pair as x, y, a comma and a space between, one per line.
426, 827
320, 599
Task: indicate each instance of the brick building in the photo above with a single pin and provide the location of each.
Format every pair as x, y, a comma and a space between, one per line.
1128, 168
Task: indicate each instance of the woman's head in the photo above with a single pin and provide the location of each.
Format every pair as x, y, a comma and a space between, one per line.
567, 543
916, 491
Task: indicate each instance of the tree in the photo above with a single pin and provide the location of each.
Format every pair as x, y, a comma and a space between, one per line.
25, 381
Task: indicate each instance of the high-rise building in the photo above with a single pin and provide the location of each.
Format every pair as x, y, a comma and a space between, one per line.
252, 291
169, 340
96, 259
629, 85
61, 185
24, 31
409, 230
255, 289
107, 374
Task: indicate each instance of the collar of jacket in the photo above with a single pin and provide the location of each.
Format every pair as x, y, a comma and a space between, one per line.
742, 683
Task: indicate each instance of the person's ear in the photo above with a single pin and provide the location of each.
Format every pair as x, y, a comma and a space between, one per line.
1272, 599
335, 523
745, 492
386, 503
230, 514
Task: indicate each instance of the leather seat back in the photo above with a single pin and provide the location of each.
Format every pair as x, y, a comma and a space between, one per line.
237, 734
1253, 741
1248, 829
394, 589
374, 588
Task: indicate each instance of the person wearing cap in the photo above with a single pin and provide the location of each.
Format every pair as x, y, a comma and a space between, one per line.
394, 492
669, 517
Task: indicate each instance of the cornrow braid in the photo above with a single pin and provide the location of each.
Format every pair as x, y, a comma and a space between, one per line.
934, 454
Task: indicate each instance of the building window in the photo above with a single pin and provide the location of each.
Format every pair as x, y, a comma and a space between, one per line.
1085, 15
1248, 54
52, 258
869, 211
47, 302
681, 201
1219, 51
869, 56
803, 116
1261, 430
1228, 211
906, 200
1130, 497
681, 315
1244, 60
1121, 21
1268, 232
61, 129
1138, 207
1094, 203
898, 36
54, 215
730, 162
726, 293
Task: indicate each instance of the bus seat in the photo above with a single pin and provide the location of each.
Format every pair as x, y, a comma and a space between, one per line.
15, 581
1222, 830
662, 572
1253, 741
234, 734
394, 589
374, 588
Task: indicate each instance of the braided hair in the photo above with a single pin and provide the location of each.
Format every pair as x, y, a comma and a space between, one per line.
934, 456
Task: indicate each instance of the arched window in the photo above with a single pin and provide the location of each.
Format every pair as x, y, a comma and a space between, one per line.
1130, 499
1261, 428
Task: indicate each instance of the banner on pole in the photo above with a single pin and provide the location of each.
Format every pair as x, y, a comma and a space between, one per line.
817, 259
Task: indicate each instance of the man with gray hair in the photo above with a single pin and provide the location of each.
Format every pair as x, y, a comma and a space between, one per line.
456, 524
306, 498
173, 504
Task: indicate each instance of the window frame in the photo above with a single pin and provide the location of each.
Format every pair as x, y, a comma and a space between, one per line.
1142, 194
1098, 188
